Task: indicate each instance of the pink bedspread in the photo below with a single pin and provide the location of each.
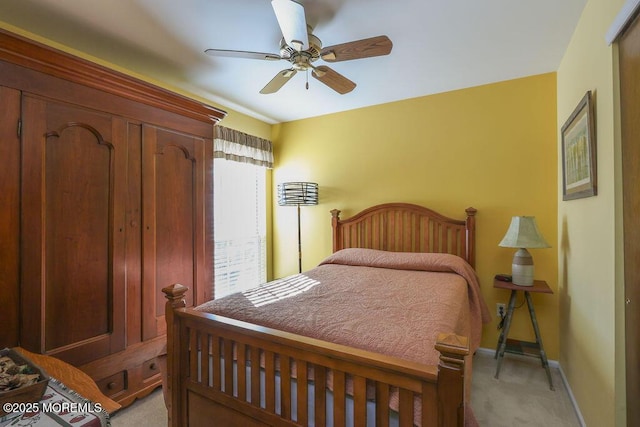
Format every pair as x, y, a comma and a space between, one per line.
387, 302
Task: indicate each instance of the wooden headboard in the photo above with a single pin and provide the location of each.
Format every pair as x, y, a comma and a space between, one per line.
404, 227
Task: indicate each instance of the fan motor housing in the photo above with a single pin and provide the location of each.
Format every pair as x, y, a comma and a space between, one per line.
302, 59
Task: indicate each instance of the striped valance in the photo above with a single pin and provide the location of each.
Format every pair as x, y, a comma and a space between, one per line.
231, 144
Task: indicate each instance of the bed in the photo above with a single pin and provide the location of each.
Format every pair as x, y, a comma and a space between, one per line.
250, 360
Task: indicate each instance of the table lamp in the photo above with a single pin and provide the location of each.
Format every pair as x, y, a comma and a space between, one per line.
523, 233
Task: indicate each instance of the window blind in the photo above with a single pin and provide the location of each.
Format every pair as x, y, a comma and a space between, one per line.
239, 216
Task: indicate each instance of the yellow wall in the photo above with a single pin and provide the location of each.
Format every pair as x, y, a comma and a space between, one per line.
492, 147
592, 347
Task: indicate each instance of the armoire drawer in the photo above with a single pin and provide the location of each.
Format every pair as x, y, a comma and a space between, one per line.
150, 368
113, 384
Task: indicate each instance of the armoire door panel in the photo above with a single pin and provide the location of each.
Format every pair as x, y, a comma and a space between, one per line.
77, 202
9, 216
173, 206
73, 209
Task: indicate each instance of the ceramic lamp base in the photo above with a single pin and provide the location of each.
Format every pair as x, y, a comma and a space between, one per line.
522, 268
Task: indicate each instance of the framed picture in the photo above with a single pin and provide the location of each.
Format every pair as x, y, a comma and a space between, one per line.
579, 177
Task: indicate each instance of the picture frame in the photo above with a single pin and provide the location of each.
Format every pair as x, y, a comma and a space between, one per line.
579, 159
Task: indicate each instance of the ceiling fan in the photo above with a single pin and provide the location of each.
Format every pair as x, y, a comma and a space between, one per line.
301, 48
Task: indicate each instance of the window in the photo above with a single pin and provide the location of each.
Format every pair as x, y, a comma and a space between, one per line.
240, 216
239, 226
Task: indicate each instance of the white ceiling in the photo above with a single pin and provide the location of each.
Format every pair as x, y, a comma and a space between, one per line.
438, 45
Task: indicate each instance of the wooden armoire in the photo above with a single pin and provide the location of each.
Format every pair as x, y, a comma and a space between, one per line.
107, 197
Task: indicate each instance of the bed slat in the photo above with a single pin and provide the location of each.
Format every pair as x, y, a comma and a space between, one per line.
429, 405
206, 351
270, 381
436, 237
193, 356
241, 357
285, 381
360, 401
301, 379
339, 396
406, 408
320, 403
391, 232
217, 369
382, 406
228, 366
255, 376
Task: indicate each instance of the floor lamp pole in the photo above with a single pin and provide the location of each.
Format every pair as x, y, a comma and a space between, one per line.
299, 244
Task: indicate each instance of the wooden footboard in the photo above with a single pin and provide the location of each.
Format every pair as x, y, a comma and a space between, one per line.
201, 387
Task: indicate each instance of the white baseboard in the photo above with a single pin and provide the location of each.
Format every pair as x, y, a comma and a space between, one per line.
571, 396
552, 364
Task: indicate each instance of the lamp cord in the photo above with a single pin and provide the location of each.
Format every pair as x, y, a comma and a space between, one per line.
501, 323
521, 304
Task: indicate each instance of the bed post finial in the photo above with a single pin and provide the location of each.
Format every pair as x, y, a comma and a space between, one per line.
335, 219
175, 299
175, 295
451, 369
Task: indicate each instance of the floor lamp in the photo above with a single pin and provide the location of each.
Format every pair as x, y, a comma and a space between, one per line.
298, 194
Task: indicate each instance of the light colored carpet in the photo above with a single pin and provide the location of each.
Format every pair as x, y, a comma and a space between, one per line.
520, 397
148, 411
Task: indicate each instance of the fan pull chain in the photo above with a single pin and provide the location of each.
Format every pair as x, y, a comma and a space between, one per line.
307, 85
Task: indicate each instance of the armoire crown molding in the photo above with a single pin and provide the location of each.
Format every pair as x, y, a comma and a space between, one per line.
39, 57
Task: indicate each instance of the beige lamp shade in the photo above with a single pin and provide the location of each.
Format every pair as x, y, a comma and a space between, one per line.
523, 233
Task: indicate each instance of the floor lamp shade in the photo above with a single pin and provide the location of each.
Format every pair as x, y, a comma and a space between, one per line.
523, 233
298, 194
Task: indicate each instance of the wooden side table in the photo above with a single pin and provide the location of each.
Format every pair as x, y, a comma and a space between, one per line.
517, 346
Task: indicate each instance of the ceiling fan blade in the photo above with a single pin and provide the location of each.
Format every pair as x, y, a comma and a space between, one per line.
243, 54
278, 81
333, 79
293, 24
365, 48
